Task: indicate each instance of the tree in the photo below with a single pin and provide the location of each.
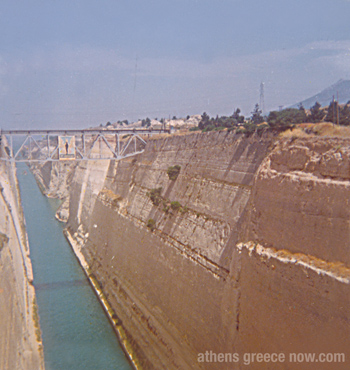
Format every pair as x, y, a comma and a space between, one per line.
224, 121
337, 113
257, 115
237, 117
302, 117
344, 115
285, 118
316, 114
203, 123
249, 128
332, 112
146, 122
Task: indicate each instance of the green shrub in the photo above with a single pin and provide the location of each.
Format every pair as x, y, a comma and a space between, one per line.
155, 196
175, 205
261, 129
173, 172
36, 321
184, 209
3, 240
220, 128
208, 128
285, 119
151, 224
249, 128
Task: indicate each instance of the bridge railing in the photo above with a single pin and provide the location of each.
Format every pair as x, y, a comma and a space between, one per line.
89, 144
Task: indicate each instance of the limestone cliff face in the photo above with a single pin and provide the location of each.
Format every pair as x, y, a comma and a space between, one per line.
296, 251
246, 251
171, 287
53, 179
311, 213
20, 343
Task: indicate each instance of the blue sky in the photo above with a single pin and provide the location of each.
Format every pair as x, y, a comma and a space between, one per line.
80, 63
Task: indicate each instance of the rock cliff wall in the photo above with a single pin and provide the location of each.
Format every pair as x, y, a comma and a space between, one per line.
168, 285
295, 269
245, 251
20, 339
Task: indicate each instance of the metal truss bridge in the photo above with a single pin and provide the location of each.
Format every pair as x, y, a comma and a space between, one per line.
78, 145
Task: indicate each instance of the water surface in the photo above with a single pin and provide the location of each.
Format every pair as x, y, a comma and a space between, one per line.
75, 330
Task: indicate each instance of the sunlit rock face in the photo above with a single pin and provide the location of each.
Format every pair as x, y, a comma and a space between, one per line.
20, 342
245, 251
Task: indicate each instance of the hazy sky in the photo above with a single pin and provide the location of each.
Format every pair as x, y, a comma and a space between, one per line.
78, 63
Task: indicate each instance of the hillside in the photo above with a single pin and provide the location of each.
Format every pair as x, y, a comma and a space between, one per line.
340, 88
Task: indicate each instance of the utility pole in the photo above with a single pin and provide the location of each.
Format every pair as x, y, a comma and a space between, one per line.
337, 108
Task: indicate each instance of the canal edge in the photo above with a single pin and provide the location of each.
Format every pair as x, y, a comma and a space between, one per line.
118, 328
31, 315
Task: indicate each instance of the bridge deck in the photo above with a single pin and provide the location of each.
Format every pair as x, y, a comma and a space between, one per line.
71, 144
86, 131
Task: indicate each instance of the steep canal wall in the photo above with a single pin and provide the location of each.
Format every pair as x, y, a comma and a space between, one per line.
20, 342
245, 251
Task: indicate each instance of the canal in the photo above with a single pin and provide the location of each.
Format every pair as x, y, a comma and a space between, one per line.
76, 333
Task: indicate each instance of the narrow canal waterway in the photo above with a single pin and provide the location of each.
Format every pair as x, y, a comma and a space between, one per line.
75, 330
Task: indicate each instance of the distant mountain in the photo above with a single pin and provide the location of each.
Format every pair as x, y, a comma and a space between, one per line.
342, 87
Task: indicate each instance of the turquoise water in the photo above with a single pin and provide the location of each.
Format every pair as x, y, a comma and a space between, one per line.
75, 330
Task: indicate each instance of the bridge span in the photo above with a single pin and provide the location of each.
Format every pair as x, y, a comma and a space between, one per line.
78, 145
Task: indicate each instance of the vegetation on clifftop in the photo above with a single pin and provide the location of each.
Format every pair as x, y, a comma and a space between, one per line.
276, 121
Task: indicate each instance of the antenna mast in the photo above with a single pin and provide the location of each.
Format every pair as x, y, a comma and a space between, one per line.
262, 98
134, 90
